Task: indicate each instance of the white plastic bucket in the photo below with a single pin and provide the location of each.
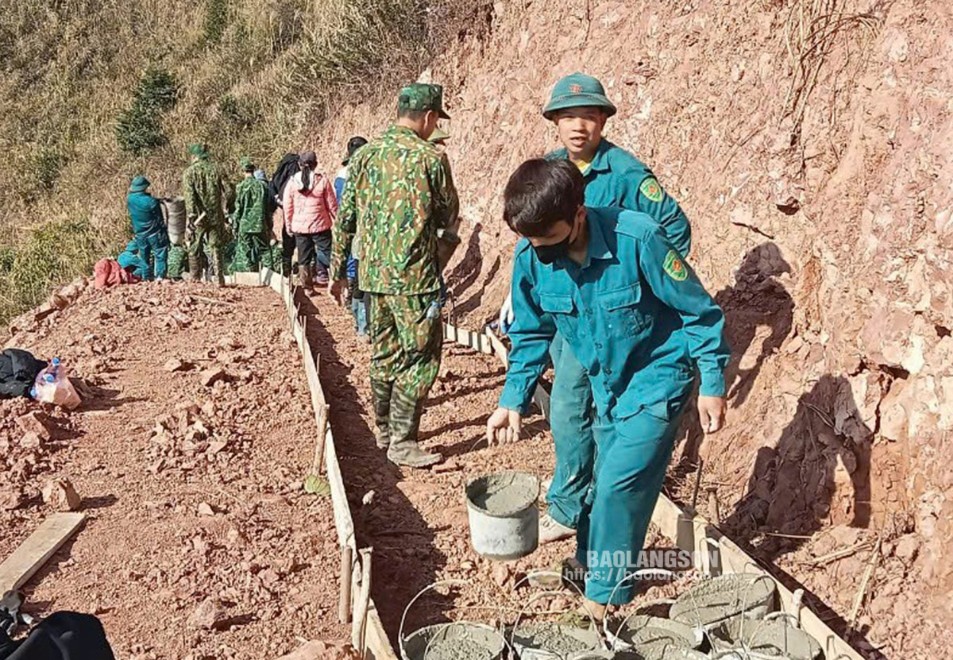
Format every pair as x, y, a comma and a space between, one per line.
503, 514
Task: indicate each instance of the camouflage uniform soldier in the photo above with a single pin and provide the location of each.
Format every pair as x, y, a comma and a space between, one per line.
397, 197
249, 222
204, 191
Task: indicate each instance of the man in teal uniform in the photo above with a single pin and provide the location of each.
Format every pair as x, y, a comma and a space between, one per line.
579, 108
638, 320
148, 226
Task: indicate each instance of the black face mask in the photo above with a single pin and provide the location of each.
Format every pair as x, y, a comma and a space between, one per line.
548, 254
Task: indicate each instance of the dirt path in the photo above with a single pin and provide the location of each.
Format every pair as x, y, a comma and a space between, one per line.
192, 491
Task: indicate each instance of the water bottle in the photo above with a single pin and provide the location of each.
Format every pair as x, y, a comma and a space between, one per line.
53, 386
433, 312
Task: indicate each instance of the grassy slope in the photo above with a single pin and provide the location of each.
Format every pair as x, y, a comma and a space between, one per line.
253, 75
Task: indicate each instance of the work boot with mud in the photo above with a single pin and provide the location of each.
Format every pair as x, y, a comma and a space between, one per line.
305, 280
196, 268
381, 392
404, 421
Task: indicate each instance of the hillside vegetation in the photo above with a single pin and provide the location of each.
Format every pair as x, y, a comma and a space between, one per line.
96, 91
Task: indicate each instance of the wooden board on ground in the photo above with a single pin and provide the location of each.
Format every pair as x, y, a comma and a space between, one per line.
30, 556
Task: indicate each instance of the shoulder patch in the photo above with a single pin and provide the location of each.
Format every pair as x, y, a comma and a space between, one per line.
674, 267
651, 189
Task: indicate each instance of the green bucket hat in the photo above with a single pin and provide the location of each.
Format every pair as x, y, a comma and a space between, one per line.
139, 184
575, 91
422, 96
198, 149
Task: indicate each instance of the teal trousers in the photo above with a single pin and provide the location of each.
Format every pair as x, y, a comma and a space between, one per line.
571, 417
632, 455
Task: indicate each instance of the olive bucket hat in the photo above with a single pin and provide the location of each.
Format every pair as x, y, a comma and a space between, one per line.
575, 91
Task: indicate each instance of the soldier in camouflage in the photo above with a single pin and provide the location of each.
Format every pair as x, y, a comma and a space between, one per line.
398, 195
205, 192
250, 223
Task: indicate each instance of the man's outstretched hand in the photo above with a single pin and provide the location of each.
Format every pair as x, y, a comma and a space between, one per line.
503, 427
337, 288
711, 413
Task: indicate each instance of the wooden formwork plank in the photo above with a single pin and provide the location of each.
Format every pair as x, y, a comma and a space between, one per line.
342, 512
247, 279
37, 549
378, 645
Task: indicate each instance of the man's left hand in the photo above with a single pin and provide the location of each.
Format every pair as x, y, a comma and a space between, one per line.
711, 413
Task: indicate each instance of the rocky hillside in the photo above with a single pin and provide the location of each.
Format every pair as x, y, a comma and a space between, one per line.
809, 142
96, 91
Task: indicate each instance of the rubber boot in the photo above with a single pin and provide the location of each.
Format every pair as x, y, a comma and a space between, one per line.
404, 421
381, 391
195, 268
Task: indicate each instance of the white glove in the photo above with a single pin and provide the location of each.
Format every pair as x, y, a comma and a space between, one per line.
506, 314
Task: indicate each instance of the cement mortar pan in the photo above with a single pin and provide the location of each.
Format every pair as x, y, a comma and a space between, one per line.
725, 597
777, 636
460, 640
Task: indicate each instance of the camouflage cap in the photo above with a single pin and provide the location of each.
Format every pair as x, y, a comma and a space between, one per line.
422, 96
246, 164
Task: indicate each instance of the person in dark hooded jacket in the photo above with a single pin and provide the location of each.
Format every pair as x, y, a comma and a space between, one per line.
287, 168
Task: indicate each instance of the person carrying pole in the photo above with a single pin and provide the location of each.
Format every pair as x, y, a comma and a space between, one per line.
206, 194
250, 221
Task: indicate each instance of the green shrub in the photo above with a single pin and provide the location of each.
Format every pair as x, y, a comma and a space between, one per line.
239, 113
138, 128
157, 90
216, 20
46, 167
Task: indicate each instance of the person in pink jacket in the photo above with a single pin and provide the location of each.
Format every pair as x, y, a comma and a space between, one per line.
310, 207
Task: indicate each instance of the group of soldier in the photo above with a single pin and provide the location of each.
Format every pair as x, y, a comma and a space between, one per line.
600, 289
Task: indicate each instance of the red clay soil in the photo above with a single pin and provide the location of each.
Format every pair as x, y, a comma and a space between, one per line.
199, 541
417, 522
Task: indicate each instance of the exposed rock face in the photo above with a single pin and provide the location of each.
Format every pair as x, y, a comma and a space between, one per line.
817, 177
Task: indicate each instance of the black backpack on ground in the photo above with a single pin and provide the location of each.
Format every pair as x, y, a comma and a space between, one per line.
18, 370
61, 636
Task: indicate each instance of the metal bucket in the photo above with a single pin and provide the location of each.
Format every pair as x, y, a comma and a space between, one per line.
724, 597
503, 516
175, 217
448, 641
655, 638
778, 635
554, 641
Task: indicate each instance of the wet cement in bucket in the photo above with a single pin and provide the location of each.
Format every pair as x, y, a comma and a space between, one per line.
503, 494
458, 649
551, 637
460, 641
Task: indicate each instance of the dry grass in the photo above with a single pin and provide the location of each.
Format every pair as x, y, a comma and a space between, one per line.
254, 75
